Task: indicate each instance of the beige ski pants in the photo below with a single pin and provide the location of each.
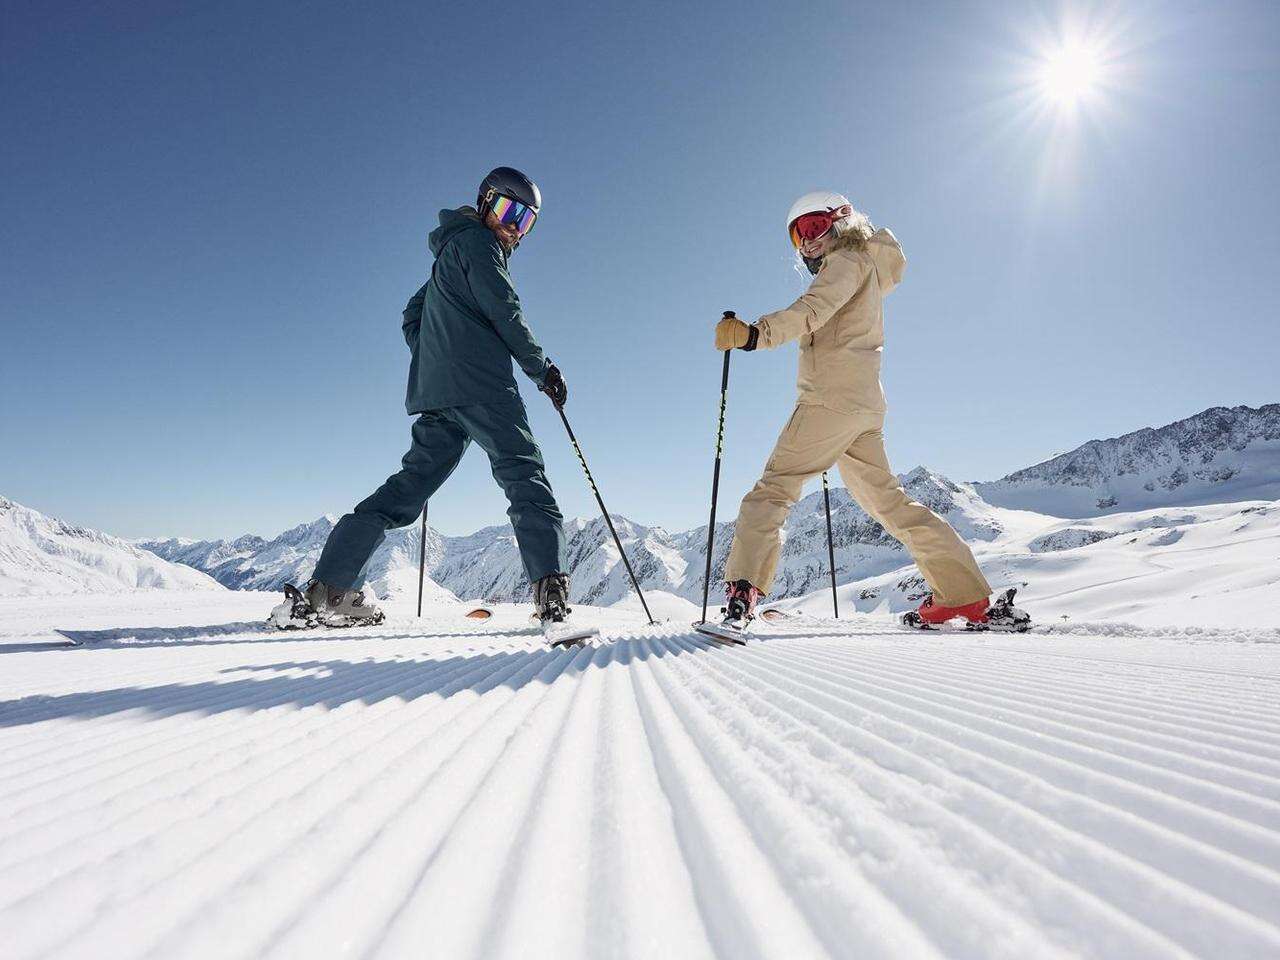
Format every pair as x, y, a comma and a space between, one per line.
814, 439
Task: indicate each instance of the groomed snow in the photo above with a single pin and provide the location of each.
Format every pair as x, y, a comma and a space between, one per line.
187, 785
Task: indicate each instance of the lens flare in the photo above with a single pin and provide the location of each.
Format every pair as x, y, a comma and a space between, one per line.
1070, 74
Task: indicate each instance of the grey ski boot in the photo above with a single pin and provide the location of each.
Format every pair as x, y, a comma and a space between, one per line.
323, 606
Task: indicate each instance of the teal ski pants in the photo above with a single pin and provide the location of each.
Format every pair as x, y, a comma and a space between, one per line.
440, 438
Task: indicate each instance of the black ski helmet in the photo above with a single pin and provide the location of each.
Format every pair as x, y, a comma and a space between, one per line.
509, 182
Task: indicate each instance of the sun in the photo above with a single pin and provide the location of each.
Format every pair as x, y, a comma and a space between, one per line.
1070, 74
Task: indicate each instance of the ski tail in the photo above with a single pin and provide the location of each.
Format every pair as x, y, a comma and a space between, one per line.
565, 634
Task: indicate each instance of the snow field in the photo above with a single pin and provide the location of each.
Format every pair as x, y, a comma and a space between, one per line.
832, 790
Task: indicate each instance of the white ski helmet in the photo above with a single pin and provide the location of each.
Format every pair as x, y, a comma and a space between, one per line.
820, 201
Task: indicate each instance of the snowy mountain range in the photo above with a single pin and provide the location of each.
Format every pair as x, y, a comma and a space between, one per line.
1222, 455
1218, 456
486, 564
40, 555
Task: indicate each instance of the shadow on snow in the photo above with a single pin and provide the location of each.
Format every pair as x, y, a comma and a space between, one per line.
251, 631
334, 683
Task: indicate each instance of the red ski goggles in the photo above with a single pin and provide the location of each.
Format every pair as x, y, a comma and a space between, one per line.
811, 226
514, 213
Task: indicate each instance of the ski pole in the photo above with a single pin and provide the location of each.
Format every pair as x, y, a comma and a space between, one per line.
715, 477
607, 519
831, 546
422, 558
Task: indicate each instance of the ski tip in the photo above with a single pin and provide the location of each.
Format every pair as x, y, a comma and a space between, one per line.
719, 633
572, 638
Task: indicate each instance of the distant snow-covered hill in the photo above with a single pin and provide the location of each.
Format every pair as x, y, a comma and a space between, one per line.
1221, 455
42, 555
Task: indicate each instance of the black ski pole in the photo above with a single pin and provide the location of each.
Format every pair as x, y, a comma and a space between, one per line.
607, 519
715, 476
831, 546
422, 558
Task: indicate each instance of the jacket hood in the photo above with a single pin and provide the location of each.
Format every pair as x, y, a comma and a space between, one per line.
890, 261
452, 223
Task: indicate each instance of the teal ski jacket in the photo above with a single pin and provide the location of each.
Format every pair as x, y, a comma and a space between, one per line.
465, 326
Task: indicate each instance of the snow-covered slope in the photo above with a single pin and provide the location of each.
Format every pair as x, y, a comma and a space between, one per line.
1215, 565
830, 791
1218, 456
42, 555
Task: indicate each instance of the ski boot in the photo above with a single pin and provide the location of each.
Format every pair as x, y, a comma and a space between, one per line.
1007, 618
324, 606
931, 615
551, 598
739, 610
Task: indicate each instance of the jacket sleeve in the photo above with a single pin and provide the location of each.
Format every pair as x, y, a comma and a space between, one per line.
413, 317
834, 286
496, 295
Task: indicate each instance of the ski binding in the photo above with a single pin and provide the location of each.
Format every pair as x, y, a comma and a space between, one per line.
293, 613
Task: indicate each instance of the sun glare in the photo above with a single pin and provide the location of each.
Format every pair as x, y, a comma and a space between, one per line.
1069, 74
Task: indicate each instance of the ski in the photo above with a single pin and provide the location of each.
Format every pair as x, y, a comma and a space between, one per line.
1004, 617
562, 635
966, 628
721, 632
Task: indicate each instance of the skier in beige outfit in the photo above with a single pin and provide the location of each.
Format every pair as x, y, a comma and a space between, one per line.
839, 418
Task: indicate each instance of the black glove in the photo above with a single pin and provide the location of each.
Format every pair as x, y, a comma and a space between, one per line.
553, 386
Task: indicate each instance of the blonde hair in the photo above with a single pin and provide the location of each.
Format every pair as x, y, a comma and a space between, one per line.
853, 231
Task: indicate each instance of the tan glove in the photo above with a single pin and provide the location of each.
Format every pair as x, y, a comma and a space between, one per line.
732, 333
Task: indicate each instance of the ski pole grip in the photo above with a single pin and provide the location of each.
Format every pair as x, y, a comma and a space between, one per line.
730, 315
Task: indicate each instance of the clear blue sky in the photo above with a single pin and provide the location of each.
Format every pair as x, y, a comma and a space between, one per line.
212, 215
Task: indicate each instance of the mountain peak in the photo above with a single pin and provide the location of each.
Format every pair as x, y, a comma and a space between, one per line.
1219, 454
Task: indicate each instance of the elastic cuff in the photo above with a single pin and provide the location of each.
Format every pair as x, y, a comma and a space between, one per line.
752, 337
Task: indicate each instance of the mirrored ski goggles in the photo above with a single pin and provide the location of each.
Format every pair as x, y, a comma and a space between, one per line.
810, 226
513, 212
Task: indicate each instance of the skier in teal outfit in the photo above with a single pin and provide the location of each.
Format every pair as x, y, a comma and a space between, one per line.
463, 328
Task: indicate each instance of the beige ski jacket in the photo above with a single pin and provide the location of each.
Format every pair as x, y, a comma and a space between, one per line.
840, 324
